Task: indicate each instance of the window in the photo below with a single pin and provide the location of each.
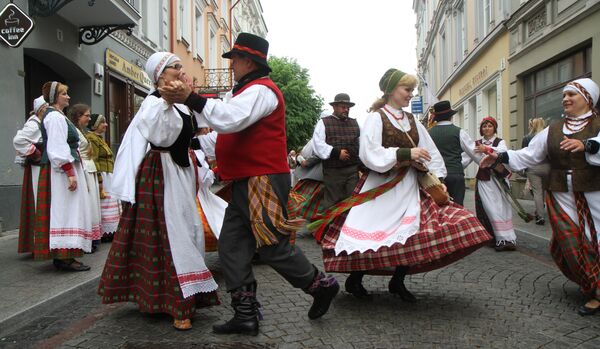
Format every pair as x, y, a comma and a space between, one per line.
443, 54
459, 30
225, 10
185, 27
484, 10
199, 34
543, 88
212, 49
151, 16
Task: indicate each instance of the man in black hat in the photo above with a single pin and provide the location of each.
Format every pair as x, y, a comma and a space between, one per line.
336, 142
251, 151
451, 141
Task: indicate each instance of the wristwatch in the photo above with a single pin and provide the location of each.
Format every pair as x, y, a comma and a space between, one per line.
591, 146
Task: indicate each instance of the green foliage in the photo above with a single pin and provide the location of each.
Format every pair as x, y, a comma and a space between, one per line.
302, 104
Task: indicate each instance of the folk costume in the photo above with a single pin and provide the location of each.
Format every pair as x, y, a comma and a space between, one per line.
87, 160
157, 256
63, 227
110, 208
29, 146
394, 227
573, 190
451, 141
210, 207
306, 195
492, 206
332, 134
251, 152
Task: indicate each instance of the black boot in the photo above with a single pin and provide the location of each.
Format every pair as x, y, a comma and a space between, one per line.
354, 285
396, 285
245, 318
323, 289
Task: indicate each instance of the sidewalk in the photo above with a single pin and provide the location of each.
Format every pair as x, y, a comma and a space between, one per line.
30, 289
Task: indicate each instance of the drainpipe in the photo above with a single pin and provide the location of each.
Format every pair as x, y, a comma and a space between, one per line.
231, 23
171, 22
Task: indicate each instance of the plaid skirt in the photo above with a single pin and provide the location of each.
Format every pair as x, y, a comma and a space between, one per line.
304, 199
576, 256
41, 236
447, 234
140, 266
27, 217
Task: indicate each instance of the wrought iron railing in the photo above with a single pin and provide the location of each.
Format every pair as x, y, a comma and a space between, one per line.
217, 80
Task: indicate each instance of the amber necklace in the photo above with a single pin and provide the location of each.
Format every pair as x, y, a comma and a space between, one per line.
401, 117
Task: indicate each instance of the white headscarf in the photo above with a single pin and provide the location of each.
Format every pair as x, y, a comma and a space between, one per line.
38, 104
589, 85
156, 65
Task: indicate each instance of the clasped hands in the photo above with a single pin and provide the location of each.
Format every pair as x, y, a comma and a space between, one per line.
175, 91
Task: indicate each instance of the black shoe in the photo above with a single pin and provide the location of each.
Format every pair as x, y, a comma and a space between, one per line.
322, 301
504, 245
540, 221
400, 289
396, 285
585, 311
354, 286
245, 318
323, 289
70, 265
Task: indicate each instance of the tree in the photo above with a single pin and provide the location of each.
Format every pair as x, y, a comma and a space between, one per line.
302, 104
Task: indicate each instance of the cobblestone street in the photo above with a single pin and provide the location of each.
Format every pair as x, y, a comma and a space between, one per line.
488, 299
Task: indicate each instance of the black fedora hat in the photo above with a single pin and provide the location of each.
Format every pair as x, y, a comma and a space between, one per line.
252, 46
342, 98
442, 110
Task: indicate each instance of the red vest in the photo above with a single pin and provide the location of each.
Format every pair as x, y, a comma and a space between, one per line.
259, 149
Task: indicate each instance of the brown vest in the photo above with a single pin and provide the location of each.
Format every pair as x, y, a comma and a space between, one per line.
393, 137
342, 134
585, 177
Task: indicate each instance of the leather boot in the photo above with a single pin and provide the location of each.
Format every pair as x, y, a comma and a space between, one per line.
245, 318
354, 285
396, 285
323, 289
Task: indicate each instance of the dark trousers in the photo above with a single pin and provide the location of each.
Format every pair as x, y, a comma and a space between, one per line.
455, 182
237, 244
338, 183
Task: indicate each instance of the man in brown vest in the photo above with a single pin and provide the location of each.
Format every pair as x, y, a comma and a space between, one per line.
336, 141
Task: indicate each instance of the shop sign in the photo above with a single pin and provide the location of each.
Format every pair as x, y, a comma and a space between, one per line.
479, 77
120, 65
15, 25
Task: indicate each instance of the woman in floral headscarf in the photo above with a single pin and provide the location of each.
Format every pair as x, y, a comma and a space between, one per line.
157, 256
573, 194
492, 206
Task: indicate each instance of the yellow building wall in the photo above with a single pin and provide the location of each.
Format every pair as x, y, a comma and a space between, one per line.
478, 72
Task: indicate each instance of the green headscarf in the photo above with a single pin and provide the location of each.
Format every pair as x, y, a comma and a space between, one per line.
389, 80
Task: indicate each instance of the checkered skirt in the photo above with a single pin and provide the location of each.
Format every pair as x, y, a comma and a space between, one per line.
140, 266
575, 255
304, 199
447, 234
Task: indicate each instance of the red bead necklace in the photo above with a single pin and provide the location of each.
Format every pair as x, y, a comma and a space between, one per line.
401, 117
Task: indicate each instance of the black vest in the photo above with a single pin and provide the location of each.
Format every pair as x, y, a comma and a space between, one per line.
72, 138
447, 140
180, 149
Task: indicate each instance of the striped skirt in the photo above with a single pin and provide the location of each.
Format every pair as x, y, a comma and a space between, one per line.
140, 265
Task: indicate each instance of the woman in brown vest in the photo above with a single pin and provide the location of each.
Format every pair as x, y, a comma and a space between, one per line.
573, 198
403, 231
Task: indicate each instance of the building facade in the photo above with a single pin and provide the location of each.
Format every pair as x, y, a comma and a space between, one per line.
99, 49
551, 42
462, 50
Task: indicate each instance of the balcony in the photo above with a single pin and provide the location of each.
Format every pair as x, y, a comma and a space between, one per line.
216, 80
88, 13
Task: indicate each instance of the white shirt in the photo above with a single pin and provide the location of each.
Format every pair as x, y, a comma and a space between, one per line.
237, 113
